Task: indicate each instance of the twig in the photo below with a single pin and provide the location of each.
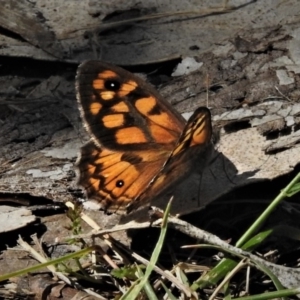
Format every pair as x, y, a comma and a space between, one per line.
289, 277
285, 97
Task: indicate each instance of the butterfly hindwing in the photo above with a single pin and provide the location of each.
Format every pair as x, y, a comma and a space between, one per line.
115, 179
192, 152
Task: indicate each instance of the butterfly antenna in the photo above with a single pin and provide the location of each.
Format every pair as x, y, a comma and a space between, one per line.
199, 190
223, 167
207, 84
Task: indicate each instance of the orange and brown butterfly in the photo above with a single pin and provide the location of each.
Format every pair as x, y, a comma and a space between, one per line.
140, 146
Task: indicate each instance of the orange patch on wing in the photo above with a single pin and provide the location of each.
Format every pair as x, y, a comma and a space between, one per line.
95, 152
152, 155
128, 176
161, 135
127, 87
94, 183
95, 107
108, 161
178, 149
107, 95
106, 152
113, 171
144, 105
138, 185
120, 107
135, 189
160, 179
107, 74
130, 135
162, 119
98, 84
91, 169
115, 120
201, 135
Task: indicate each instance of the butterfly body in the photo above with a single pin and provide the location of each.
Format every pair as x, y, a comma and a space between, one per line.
140, 146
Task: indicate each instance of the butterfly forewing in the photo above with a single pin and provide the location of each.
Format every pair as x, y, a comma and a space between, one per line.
122, 112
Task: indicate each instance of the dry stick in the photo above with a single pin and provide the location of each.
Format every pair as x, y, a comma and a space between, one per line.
134, 225
107, 238
129, 225
284, 96
167, 274
194, 13
289, 277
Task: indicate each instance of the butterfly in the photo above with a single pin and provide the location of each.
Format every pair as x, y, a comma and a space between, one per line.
140, 146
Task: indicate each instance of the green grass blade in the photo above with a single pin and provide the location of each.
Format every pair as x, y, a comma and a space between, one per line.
170, 295
147, 287
48, 263
272, 295
133, 293
245, 242
262, 218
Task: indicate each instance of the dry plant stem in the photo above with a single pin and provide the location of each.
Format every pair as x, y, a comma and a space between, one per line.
238, 267
39, 244
165, 274
61, 276
200, 13
209, 238
191, 268
247, 280
107, 238
129, 225
168, 275
289, 277
285, 97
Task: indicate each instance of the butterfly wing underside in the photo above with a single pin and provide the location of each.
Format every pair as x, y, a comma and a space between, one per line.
133, 133
191, 153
